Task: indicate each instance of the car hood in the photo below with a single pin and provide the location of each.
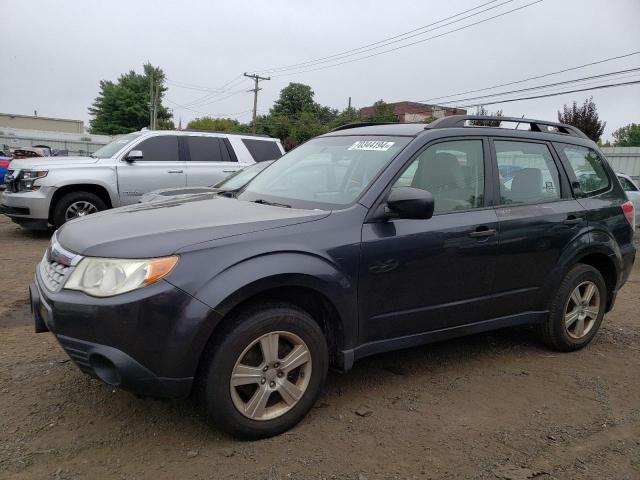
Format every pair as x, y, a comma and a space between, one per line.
161, 228
176, 192
48, 162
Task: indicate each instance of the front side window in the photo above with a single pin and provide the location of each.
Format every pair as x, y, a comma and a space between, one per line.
453, 172
163, 148
204, 149
324, 173
114, 147
527, 172
587, 166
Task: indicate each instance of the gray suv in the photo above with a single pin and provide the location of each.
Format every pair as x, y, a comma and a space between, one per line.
53, 190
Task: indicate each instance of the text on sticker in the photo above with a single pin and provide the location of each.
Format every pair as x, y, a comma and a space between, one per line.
375, 145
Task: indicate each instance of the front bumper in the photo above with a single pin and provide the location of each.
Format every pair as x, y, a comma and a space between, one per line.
148, 341
28, 209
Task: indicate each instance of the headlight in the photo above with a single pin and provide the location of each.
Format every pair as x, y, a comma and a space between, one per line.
28, 177
105, 277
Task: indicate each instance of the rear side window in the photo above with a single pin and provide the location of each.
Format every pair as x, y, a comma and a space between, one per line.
262, 150
587, 166
159, 149
204, 149
627, 185
527, 171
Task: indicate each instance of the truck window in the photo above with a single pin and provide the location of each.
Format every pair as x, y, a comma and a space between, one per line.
262, 150
204, 149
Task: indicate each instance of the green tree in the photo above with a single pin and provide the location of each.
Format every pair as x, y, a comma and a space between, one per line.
627, 136
584, 117
347, 116
294, 99
215, 124
383, 113
123, 106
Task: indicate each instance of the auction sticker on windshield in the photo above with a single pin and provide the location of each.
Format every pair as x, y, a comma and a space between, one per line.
374, 145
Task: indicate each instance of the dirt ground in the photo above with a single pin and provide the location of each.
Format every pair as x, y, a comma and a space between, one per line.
489, 406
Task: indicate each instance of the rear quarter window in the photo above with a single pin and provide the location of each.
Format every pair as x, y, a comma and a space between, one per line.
588, 168
262, 150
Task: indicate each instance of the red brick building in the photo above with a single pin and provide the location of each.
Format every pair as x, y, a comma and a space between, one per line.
409, 112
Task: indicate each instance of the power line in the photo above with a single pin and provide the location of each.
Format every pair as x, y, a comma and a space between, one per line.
191, 86
205, 100
535, 77
538, 87
179, 105
611, 85
380, 43
413, 43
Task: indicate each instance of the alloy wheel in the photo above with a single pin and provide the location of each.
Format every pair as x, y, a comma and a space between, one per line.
81, 208
270, 376
582, 309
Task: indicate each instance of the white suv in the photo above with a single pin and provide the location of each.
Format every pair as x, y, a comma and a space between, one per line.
53, 190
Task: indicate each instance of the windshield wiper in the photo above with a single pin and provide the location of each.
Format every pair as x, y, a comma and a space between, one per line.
265, 202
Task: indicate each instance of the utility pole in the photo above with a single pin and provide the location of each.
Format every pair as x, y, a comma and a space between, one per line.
255, 90
151, 103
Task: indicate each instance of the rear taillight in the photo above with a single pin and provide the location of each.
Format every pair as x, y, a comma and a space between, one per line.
4, 163
630, 214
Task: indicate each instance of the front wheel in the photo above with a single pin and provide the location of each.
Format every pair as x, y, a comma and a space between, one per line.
76, 205
265, 373
576, 311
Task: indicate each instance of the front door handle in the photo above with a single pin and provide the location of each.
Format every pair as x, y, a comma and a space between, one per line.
175, 171
229, 171
572, 220
483, 232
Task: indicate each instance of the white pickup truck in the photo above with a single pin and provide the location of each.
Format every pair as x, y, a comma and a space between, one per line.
52, 190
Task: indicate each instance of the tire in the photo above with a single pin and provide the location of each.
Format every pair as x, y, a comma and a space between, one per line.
69, 199
561, 331
233, 409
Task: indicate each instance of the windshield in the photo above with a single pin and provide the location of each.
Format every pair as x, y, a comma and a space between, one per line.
110, 149
324, 173
242, 177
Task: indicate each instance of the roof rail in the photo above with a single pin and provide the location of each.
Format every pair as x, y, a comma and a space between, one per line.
453, 121
248, 134
361, 124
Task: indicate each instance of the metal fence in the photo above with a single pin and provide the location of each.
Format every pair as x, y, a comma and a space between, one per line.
74, 147
624, 160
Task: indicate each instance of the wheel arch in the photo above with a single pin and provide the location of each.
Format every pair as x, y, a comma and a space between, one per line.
316, 286
94, 188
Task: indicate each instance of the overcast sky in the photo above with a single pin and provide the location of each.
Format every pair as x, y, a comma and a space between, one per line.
54, 53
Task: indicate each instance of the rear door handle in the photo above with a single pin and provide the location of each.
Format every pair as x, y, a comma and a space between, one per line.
175, 171
572, 220
482, 232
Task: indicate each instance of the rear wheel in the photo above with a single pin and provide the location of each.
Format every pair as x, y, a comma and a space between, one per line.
264, 373
577, 310
76, 205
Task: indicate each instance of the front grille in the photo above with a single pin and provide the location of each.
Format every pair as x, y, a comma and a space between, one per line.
56, 265
77, 351
53, 274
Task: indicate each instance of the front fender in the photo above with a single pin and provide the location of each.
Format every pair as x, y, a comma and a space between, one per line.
102, 176
255, 275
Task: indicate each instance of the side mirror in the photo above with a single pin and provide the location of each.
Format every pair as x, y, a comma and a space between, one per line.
407, 202
134, 155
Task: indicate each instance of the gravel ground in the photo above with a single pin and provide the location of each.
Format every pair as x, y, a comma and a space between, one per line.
491, 406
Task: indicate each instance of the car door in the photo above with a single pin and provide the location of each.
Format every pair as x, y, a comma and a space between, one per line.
161, 166
538, 218
424, 275
209, 160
